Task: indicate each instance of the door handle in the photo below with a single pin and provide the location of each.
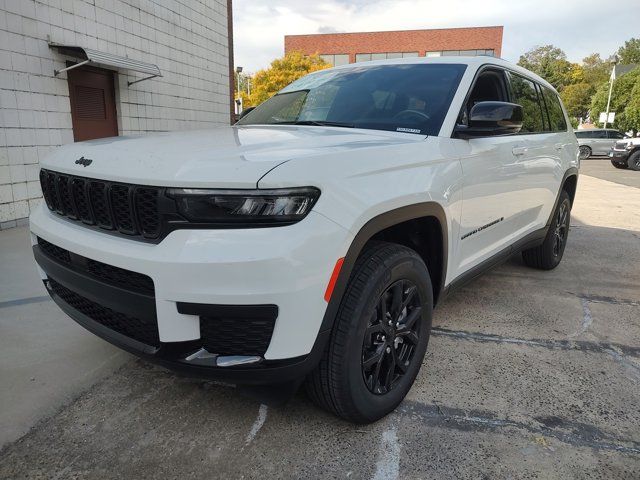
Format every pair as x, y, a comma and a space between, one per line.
519, 151
558, 146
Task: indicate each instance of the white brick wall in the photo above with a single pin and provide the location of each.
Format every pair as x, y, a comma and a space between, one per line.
187, 39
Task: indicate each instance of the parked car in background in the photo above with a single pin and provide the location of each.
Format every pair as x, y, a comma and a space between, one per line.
311, 241
626, 154
597, 141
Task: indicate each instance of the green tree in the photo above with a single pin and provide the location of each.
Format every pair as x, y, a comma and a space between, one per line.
632, 110
630, 52
551, 64
281, 73
595, 69
625, 101
577, 98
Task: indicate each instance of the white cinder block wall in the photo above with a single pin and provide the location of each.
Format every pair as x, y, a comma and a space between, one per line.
187, 39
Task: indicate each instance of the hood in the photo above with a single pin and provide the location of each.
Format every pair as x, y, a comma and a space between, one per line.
224, 157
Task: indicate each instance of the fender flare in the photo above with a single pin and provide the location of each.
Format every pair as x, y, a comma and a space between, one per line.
371, 228
571, 172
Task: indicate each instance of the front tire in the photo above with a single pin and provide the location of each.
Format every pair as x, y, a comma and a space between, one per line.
548, 255
379, 337
619, 165
634, 161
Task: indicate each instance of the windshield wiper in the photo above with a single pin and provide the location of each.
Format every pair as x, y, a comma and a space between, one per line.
320, 123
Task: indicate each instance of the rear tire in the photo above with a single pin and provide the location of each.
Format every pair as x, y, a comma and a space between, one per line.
585, 152
379, 337
634, 161
548, 255
619, 165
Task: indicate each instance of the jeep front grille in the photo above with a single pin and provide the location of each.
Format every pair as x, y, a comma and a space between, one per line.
128, 209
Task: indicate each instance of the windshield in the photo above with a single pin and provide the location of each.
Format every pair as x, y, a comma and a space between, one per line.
412, 98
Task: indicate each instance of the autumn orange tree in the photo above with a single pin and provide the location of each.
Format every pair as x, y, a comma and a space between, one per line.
280, 73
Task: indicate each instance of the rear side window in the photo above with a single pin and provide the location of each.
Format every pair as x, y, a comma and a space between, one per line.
591, 134
525, 94
554, 108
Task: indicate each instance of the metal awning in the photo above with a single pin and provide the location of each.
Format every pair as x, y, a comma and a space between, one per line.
95, 57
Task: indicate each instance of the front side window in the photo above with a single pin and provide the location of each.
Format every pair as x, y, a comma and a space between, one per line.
615, 134
405, 98
525, 94
554, 108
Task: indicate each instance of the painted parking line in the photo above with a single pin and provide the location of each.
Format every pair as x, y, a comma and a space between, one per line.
25, 301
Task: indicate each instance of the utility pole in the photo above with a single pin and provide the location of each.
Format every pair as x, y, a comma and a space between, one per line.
238, 103
611, 80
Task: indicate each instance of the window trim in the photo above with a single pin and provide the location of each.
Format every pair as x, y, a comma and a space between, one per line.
505, 70
546, 115
567, 124
480, 71
541, 104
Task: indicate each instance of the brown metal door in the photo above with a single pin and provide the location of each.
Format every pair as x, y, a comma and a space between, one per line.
93, 104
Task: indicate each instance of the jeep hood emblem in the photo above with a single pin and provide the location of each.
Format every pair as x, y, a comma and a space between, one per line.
85, 162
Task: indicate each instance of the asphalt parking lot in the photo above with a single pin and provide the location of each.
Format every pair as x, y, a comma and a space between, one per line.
601, 167
529, 374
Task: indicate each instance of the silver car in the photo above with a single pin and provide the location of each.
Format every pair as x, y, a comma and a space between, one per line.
597, 141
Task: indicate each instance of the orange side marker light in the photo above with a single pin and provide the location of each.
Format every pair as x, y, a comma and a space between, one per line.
333, 279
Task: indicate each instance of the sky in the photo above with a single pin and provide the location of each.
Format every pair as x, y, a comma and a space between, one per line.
579, 27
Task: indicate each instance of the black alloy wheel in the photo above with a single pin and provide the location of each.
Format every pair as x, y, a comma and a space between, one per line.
561, 229
548, 255
391, 337
379, 337
634, 161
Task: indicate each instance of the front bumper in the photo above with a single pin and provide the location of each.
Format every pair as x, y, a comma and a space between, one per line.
287, 267
619, 156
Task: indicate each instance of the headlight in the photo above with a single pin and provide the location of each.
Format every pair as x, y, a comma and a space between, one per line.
629, 146
245, 207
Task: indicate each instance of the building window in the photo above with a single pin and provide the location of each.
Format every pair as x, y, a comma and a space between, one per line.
336, 60
467, 53
365, 57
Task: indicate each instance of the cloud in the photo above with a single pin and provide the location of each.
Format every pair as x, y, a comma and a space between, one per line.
327, 29
579, 27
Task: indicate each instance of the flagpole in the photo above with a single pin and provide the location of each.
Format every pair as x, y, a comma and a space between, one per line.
613, 77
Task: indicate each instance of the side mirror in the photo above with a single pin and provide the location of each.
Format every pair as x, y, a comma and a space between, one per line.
488, 119
245, 111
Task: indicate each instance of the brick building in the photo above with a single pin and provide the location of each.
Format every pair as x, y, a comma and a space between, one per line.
343, 48
147, 66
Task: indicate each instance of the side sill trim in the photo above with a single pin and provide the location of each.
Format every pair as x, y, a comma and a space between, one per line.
531, 240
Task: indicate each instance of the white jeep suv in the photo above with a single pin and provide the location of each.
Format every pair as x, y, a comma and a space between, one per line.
312, 240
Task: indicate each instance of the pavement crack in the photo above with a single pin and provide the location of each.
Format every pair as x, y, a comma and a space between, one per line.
605, 299
580, 345
570, 432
